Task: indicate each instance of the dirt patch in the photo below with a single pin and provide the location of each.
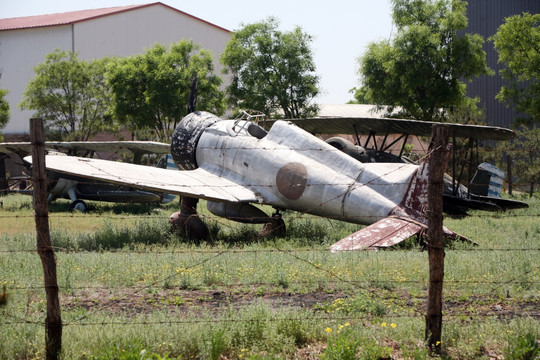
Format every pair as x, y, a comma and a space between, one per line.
189, 301
131, 303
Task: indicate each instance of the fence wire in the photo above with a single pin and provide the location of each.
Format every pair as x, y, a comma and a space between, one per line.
296, 254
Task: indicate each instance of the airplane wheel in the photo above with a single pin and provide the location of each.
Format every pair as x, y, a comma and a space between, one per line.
78, 205
274, 228
190, 225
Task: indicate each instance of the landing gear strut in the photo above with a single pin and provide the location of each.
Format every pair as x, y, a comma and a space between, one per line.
187, 220
276, 227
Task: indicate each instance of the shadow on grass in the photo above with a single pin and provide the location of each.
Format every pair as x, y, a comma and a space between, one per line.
99, 208
111, 236
157, 231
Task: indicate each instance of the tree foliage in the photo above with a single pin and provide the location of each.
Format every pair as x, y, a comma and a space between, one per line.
518, 43
360, 95
4, 111
524, 152
272, 71
151, 90
70, 95
419, 72
4, 108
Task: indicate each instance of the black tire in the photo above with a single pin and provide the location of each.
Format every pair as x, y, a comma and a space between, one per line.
274, 228
78, 205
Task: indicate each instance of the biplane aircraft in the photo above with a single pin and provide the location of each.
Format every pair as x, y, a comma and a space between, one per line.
78, 189
234, 164
483, 190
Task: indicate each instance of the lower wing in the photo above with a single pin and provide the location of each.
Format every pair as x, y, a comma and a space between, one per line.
195, 183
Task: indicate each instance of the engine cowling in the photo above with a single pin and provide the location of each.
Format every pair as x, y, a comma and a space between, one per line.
357, 152
186, 137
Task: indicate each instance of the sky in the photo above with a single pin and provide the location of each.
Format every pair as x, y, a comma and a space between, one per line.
342, 29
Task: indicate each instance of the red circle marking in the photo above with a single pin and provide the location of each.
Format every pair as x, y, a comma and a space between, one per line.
291, 180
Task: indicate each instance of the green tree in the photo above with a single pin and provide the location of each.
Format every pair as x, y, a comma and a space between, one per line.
419, 72
70, 95
4, 108
151, 90
360, 96
518, 43
524, 152
4, 111
272, 71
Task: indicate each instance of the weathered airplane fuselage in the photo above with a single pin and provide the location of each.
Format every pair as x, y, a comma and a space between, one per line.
291, 169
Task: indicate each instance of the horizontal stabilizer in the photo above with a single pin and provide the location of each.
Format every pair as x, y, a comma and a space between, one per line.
385, 233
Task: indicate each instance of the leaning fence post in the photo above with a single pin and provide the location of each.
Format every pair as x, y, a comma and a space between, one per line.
437, 167
4, 186
53, 321
509, 172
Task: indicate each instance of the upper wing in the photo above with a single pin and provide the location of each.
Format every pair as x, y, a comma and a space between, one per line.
16, 147
364, 119
99, 146
196, 183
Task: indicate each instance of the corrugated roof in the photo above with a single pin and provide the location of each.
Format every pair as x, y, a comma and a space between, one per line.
73, 17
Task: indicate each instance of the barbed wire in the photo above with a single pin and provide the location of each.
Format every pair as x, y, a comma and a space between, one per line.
212, 255
274, 319
275, 284
238, 251
289, 252
63, 214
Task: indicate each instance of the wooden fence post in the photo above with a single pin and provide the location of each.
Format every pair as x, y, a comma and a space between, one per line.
3, 178
53, 321
437, 167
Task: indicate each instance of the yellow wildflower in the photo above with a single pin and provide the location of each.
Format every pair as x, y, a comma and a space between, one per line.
393, 325
383, 324
328, 330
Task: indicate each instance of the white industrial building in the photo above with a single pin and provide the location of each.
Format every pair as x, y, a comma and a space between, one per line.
116, 31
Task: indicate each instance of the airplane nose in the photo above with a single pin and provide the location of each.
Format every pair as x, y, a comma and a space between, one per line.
186, 136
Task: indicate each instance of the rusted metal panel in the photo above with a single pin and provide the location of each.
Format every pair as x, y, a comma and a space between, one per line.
384, 233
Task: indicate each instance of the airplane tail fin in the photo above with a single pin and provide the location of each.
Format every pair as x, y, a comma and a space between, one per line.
415, 201
405, 221
167, 162
488, 181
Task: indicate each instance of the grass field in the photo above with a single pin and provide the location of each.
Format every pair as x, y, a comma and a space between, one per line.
131, 289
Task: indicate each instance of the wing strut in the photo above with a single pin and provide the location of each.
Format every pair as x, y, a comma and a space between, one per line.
403, 145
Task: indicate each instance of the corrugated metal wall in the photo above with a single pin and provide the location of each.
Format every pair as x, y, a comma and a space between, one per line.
485, 17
